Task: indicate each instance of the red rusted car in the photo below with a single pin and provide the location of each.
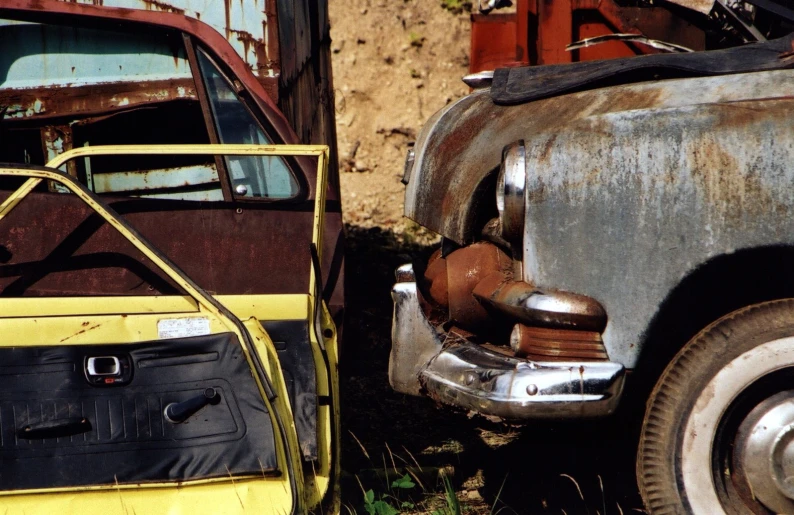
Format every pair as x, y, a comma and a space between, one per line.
185, 235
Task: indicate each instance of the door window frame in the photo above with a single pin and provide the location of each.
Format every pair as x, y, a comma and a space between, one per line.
192, 48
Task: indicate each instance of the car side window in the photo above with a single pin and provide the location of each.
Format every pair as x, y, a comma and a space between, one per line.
266, 177
64, 87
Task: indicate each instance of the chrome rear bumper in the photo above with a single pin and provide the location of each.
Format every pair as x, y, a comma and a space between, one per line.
454, 371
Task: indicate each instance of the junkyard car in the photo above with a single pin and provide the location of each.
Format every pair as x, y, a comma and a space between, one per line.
171, 279
609, 217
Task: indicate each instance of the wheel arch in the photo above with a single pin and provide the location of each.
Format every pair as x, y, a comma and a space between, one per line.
713, 289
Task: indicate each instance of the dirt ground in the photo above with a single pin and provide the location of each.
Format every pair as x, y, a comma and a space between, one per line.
396, 62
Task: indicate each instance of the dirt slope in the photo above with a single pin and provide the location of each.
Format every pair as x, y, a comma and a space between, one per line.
396, 62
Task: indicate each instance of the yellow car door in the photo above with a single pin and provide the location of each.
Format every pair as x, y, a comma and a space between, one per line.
161, 403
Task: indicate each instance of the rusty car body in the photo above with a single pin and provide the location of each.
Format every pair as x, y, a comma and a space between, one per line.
615, 230
181, 120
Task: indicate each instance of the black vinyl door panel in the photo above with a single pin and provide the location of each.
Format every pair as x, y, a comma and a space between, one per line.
61, 426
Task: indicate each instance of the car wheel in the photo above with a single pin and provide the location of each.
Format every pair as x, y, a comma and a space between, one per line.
718, 433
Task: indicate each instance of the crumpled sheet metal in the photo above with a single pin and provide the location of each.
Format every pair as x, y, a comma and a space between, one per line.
631, 188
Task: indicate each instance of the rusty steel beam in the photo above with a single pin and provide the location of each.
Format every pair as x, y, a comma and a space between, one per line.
92, 100
555, 31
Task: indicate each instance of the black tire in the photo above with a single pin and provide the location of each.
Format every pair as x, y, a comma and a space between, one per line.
670, 406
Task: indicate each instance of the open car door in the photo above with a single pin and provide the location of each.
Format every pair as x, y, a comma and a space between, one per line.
161, 403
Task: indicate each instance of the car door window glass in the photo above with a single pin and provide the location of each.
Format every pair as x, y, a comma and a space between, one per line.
252, 176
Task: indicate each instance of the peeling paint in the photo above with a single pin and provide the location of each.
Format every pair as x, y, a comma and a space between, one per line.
162, 6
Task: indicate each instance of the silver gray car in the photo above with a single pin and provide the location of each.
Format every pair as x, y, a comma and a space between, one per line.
613, 227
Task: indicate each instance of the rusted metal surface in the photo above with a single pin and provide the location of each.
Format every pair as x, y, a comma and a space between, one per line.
55, 71
493, 41
245, 25
449, 283
57, 10
434, 281
307, 98
555, 31
630, 188
531, 305
248, 47
56, 140
452, 370
318, 114
47, 55
91, 100
540, 31
57, 247
543, 344
141, 181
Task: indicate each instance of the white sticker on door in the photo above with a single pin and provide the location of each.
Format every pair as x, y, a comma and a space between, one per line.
182, 327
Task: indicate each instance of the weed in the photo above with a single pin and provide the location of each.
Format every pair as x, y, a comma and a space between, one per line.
456, 6
452, 505
386, 504
413, 234
417, 40
379, 506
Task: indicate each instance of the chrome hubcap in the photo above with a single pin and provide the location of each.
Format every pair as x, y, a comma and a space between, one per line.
764, 452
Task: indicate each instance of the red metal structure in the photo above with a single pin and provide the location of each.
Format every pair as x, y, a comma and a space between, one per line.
539, 31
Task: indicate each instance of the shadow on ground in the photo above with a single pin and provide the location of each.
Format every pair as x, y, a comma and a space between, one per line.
584, 467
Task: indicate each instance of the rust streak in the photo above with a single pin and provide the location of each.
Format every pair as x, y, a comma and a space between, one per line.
92, 99
162, 6
259, 47
227, 4
81, 332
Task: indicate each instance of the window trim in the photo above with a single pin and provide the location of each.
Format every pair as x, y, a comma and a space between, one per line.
259, 117
206, 111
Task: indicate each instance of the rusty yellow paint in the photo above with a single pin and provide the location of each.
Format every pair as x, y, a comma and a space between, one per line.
244, 495
276, 307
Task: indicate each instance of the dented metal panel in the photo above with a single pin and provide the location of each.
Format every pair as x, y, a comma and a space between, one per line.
630, 188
